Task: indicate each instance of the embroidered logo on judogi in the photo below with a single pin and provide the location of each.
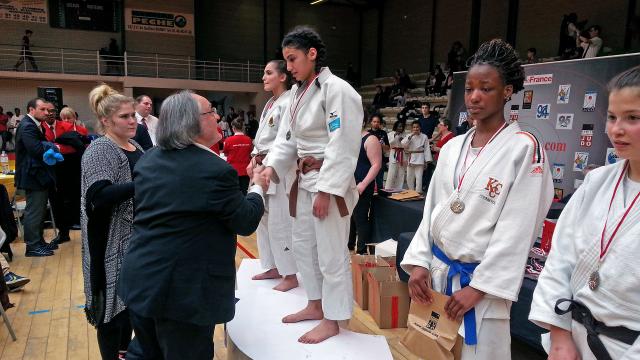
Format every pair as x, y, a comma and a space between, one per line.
493, 188
334, 124
270, 122
536, 170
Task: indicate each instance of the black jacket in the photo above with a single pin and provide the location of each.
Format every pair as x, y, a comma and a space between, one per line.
143, 138
181, 258
31, 171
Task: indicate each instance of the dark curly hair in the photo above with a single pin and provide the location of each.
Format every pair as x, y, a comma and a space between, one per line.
627, 78
502, 56
304, 38
281, 68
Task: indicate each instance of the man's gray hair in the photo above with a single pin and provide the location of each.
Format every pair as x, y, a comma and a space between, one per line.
179, 123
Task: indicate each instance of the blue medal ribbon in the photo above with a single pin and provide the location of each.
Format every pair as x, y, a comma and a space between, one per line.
465, 270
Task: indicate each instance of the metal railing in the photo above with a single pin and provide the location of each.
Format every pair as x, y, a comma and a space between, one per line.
93, 62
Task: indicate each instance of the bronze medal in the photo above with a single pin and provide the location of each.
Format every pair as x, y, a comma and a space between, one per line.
457, 206
594, 281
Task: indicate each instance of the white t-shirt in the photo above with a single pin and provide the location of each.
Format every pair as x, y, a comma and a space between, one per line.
592, 48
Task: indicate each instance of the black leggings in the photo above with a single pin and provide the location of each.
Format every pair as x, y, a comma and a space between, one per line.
114, 336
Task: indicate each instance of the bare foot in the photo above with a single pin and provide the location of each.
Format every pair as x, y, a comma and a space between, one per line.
311, 312
269, 274
324, 330
289, 282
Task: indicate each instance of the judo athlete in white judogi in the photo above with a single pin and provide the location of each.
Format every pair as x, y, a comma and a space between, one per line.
485, 204
417, 147
274, 231
397, 159
588, 294
322, 134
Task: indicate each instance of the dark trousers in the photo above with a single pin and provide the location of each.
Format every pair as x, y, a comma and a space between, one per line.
360, 222
6, 137
169, 339
114, 336
244, 183
34, 214
66, 198
26, 55
426, 176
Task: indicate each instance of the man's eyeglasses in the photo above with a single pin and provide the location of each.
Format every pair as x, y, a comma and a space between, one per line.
213, 111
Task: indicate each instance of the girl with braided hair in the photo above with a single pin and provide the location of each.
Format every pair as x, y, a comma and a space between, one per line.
486, 202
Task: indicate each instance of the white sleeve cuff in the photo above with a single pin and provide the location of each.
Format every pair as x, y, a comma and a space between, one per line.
258, 190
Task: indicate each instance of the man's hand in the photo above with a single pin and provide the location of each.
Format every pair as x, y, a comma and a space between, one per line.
420, 285
250, 168
562, 345
259, 178
321, 205
462, 301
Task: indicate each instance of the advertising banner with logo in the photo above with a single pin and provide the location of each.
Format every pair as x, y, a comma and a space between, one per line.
564, 104
34, 11
163, 22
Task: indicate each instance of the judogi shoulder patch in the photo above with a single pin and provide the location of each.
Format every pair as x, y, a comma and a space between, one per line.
334, 124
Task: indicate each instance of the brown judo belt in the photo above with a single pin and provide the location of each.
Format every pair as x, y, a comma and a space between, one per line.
259, 158
306, 165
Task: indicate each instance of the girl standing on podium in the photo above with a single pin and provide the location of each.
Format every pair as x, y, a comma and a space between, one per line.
274, 231
587, 294
484, 207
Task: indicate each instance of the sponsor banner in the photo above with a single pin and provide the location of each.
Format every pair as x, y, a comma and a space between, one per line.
527, 99
586, 135
542, 79
159, 22
563, 94
612, 156
555, 146
580, 161
543, 111
564, 122
557, 173
514, 115
34, 11
589, 104
463, 117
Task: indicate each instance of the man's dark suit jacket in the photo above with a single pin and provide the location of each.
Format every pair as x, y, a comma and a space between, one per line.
180, 263
31, 171
143, 138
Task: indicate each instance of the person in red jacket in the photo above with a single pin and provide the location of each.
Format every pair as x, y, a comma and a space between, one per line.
237, 148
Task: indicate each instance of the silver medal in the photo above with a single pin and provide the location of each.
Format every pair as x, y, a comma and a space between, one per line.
288, 137
594, 280
457, 206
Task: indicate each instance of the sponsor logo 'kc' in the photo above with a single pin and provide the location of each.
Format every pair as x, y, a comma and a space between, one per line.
494, 187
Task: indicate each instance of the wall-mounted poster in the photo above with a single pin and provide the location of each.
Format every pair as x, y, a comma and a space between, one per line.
612, 156
564, 122
580, 161
589, 104
34, 11
563, 94
527, 99
159, 22
543, 111
94, 15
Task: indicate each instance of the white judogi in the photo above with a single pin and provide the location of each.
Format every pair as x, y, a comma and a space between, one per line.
574, 256
507, 193
274, 230
395, 176
415, 168
326, 126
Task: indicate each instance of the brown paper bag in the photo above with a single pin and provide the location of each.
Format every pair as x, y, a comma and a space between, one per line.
360, 266
430, 334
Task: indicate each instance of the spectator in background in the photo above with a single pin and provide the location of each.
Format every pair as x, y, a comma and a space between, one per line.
252, 125
14, 281
532, 56
15, 120
368, 167
144, 117
428, 121
457, 57
397, 160
379, 100
444, 135
237, 149
416, 146
377, 130
434, 84
107, 216
34, 176
404, 80
25, 52
590, 42
231, 115
5, 135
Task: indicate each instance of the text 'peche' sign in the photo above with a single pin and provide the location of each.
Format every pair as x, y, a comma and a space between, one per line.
159, 22
542, 79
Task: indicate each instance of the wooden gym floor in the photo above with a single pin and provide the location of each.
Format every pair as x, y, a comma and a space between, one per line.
49, 319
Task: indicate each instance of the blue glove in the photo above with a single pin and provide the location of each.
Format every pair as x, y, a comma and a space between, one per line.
51, 157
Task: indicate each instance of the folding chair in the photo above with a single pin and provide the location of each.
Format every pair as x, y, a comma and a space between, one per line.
19, 203
3, 237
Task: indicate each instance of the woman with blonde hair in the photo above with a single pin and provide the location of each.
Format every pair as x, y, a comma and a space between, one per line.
107, 215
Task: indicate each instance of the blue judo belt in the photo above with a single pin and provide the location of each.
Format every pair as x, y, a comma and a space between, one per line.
465, 270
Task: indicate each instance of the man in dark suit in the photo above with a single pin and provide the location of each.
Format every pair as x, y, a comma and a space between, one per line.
178, 276
34, 176
143, 138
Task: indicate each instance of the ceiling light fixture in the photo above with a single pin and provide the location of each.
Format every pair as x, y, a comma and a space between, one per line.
316, 2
